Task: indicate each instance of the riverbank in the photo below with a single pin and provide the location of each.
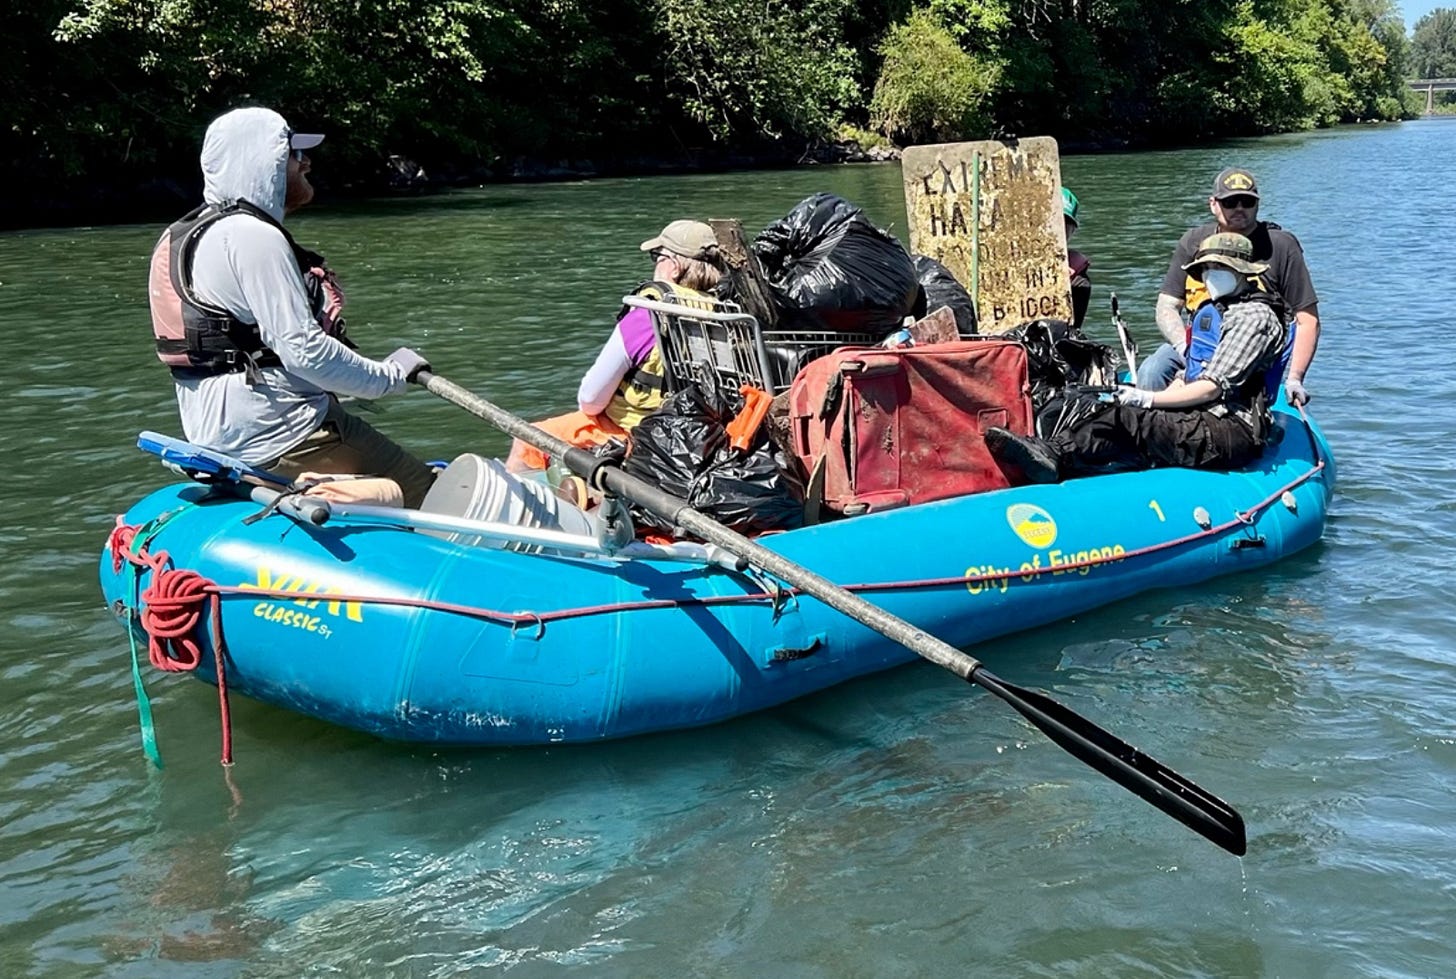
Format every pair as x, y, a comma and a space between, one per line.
106, 202
158, 200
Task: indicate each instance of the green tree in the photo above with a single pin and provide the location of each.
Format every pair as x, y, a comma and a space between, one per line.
929, 90
1433, 45
750, 70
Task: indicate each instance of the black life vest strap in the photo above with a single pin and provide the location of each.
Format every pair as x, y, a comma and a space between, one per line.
220, 350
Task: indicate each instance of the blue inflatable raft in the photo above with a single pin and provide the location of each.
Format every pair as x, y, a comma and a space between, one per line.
417, 637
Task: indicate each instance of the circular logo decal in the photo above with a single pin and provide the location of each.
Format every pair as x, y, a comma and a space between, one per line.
1032, 524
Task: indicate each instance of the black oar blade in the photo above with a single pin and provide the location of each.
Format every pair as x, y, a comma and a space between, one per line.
1145, 777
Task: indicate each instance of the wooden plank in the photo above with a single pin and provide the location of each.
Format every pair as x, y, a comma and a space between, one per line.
991, 213
750, 285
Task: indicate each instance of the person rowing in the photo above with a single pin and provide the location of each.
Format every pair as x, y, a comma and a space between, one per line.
250, 323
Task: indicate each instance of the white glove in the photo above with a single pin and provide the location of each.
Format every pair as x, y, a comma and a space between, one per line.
408, 361
1295, 392
1134, 397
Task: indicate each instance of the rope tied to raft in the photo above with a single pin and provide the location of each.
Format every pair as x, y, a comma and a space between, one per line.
171, 610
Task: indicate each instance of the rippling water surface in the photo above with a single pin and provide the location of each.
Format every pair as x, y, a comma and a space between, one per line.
902, 825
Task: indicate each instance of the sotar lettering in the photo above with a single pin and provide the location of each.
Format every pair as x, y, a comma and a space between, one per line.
352, 611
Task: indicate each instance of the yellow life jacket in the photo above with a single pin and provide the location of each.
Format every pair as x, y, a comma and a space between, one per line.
642, 390
1195, 293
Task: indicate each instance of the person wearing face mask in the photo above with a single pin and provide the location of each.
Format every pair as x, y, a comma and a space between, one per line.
1215, 417
250, 322
1234, 204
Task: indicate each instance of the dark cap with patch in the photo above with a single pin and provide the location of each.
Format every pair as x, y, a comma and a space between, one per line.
1234, 181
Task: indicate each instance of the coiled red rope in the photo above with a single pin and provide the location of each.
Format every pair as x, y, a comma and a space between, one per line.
171, 614
172, 610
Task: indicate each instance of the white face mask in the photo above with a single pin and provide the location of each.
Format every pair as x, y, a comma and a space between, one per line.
1220, 282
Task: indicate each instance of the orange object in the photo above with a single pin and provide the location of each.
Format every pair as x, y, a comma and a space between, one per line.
741, 429
577, 427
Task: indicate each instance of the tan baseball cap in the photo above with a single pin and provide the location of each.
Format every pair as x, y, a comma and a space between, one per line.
690, 239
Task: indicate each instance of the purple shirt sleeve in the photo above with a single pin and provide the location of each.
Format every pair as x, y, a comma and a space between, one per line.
637, 335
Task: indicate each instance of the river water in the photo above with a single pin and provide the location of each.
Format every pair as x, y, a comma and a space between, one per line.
902, 825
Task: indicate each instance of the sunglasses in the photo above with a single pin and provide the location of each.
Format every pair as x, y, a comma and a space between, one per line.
658, 254
1242, 201
299, 155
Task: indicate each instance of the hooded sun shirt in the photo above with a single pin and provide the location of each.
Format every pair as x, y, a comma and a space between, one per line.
246, 267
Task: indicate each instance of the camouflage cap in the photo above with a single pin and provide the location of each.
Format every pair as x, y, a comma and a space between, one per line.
1228, 249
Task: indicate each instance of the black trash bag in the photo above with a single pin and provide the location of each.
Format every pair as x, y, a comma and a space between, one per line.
939, 288
683, 449
675, 444
831, 269
752, 492
1058, 355
1069, 407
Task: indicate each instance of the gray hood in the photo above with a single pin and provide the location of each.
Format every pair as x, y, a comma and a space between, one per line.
245, 155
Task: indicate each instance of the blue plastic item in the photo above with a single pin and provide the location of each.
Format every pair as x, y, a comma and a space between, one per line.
194, 459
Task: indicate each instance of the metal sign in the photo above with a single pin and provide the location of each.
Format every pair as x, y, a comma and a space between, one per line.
991, 213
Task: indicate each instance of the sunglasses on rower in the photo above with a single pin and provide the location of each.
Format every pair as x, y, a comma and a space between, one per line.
1241, 201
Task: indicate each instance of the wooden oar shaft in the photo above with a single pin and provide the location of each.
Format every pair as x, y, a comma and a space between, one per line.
1138, 773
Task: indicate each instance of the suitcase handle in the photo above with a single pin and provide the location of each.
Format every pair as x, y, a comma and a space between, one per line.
871, 364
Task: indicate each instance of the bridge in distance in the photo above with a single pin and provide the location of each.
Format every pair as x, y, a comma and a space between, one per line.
1431, 86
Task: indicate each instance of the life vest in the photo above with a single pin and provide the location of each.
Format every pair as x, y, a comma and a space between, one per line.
1206, 329
643, 388
196, 339
1195, 293
1078, 264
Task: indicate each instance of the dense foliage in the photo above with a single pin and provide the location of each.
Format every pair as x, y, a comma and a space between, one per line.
112, 95
1433, 45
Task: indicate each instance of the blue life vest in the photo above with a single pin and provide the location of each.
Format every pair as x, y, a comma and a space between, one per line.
1206, 329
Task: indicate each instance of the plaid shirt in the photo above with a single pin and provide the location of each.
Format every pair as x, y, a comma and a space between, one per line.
1250, 341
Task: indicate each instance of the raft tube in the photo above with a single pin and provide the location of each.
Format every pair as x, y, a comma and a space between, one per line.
410, 637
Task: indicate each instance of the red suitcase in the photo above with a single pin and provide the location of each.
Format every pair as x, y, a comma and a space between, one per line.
879, 429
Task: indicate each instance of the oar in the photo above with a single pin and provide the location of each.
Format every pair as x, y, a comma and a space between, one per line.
1145, 777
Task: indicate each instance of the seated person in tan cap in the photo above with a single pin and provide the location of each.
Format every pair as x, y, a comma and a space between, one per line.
1216, 416
626, 383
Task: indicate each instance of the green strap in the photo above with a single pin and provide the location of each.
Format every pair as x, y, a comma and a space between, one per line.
144, 536
144, 705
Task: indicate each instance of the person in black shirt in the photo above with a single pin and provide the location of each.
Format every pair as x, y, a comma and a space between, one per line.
1234, 204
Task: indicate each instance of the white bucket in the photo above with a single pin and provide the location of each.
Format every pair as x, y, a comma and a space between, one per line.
477, 488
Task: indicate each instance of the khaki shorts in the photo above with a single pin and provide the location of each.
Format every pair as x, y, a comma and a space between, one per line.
347, 444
